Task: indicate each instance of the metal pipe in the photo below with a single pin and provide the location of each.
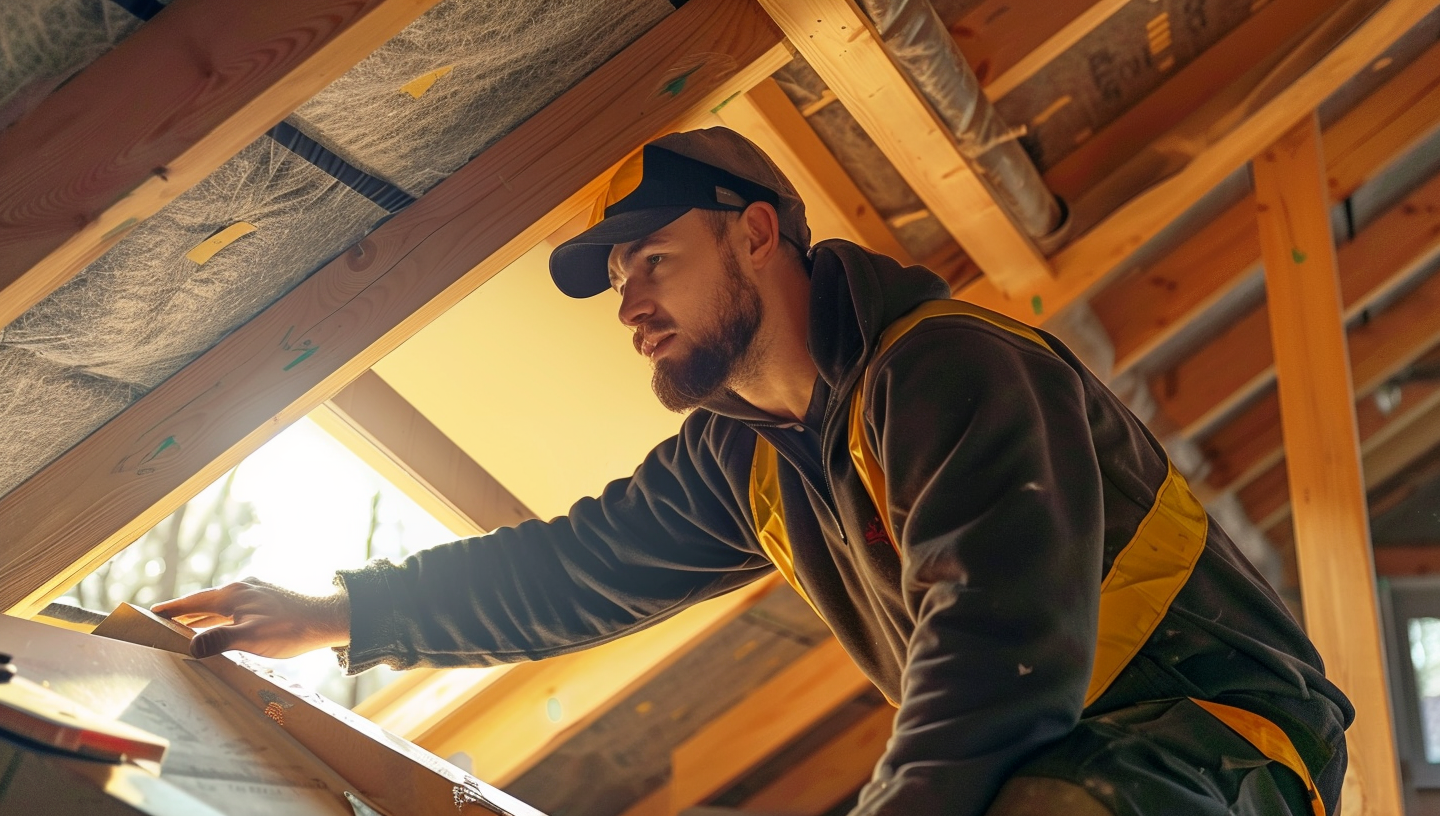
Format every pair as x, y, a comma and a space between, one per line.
916, 38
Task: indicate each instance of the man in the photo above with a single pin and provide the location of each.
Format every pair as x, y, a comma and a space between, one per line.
996, 541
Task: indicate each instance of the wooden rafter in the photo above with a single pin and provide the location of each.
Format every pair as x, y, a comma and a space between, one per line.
1410, 559
386, 431
1237, 365
769, 718
1005, 71
823, 780
1150, 306
157, 114
843, 48
1091, 259
90, 502
1332, 536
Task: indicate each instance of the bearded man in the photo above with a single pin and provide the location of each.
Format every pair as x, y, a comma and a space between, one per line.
994, 539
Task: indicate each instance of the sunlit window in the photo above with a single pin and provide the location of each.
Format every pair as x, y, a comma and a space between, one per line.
292, 513
1425, 656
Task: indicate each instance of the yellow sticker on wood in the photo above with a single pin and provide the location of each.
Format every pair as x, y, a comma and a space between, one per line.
206, 249
419, 85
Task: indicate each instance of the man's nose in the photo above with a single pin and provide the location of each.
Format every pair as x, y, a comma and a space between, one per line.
635, 306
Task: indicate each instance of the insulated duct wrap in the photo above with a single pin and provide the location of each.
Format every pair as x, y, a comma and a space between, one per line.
144, 309
479, 69
45, 42
917, 39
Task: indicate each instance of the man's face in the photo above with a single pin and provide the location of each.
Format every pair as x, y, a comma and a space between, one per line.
694, 312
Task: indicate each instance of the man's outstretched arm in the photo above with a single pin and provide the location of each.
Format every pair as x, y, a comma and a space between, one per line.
671, 535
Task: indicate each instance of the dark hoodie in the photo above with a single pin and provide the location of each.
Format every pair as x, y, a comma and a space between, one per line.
1014, 481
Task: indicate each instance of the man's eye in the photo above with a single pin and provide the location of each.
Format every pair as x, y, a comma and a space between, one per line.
654, 259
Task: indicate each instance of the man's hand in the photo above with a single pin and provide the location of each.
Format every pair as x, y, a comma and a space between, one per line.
261, 618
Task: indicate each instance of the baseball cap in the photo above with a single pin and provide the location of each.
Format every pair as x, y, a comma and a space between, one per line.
711, 169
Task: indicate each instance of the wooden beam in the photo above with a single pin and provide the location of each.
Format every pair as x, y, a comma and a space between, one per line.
157, 114
510, 725
1236, 365
386, 431
1332, 535
772, 716
1259, 40
1411, 559
122, 479
1006, 70
834, 206
1149, 306
1251, 442
1091, 259
824, 779
843, 48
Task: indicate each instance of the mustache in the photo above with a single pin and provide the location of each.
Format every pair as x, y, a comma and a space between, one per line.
647, 329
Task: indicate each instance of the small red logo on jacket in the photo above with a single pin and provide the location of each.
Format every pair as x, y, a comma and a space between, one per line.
875, 532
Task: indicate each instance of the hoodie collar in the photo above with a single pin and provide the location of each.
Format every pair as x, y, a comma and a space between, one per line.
854, 295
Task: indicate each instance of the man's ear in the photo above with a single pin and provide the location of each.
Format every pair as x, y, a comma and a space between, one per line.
761, 226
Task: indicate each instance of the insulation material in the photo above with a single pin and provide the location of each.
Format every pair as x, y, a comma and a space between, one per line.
918, 231
45, 42
45, 408
625, 754
144, 309
1112, 68
462, 76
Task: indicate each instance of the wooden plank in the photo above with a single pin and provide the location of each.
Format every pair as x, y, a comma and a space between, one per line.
1384, 126
1235, 366
157, 114
1007, 43
519, 719
1091, 259
834, 206
824, 779
385, 430
132, 472
843, 48
1253, 43
1332, 533
768, 719
1414, 435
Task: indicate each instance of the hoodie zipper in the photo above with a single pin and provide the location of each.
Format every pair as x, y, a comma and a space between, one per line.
823, 488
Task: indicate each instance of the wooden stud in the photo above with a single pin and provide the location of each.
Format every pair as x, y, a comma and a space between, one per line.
199, 82
824, 779
843, 48
132, 472
834, 206
783, 708
519, 719
1317, 408
386, 431
1091, 259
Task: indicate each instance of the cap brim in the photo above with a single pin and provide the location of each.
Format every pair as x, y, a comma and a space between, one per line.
579, 266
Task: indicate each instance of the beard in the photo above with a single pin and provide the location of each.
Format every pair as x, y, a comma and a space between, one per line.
723, 352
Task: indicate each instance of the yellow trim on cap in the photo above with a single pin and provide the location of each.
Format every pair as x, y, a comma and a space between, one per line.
624, 181
1269, 739
769, 514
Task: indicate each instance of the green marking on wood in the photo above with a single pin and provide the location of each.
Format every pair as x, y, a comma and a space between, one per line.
304, 355
1038, 305
1297, 256
121, 227
167, 444
675, 86
725, 102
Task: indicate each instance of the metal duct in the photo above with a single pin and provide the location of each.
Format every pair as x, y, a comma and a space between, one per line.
916, 38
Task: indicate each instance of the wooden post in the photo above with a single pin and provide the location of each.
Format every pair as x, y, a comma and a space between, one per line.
1317, 411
